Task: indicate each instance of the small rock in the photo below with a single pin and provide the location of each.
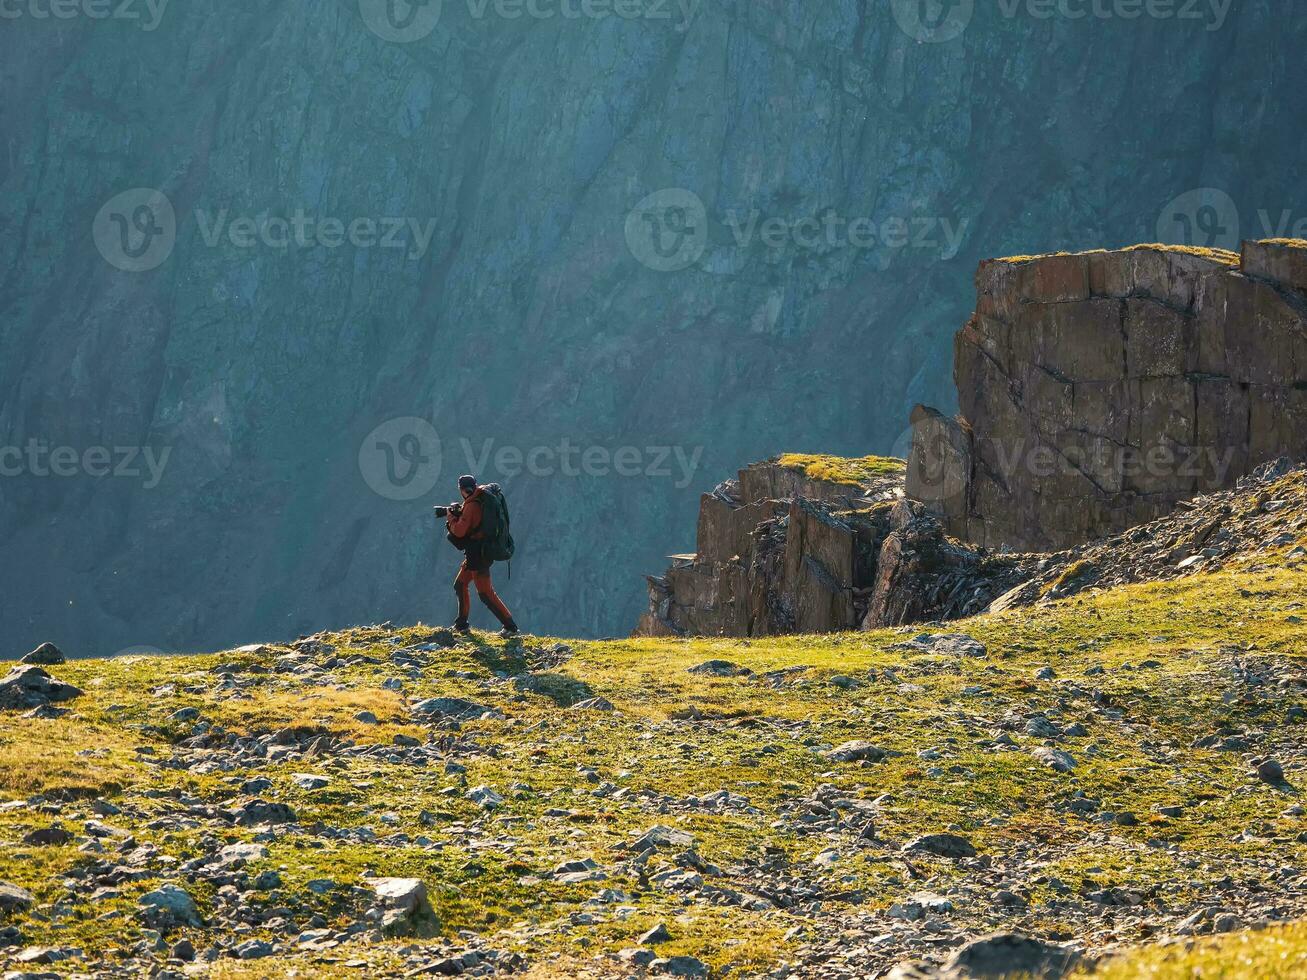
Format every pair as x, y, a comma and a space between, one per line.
658, 934
175, 904
594, 704
679, 966
1269, 770
1055, 759
13, 898
942, 845
309, 781
719, 668
484, 797
856, 751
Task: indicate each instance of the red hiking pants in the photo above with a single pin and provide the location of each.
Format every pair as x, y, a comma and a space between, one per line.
485, 592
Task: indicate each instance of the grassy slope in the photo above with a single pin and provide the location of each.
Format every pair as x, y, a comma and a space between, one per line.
486, 871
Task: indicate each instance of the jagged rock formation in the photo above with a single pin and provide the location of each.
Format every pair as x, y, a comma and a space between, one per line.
1098, 390
782, 552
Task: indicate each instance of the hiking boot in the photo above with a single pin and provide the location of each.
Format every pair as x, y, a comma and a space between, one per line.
461, 626
510, 630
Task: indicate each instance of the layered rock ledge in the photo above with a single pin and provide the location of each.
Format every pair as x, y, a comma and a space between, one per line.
1098, 390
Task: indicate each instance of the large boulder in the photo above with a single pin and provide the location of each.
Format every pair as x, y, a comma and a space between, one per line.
405, 907
46, 655
29, 686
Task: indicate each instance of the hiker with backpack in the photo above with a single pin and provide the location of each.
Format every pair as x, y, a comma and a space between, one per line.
479, 527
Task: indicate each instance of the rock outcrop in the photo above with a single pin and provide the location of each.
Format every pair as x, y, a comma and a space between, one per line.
1098, 390
783, 552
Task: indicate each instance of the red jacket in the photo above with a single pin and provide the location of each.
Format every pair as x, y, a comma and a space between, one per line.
468, 523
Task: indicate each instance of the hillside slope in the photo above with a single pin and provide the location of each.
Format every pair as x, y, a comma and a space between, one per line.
772, 803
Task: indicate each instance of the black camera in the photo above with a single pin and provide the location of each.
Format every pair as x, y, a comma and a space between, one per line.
444, 512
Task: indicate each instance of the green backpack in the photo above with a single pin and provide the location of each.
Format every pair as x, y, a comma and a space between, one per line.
496, 534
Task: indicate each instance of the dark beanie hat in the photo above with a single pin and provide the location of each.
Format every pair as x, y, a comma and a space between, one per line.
467, 482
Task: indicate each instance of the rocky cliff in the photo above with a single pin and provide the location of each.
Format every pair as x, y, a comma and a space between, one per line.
519, 148
1098, 390
804, 544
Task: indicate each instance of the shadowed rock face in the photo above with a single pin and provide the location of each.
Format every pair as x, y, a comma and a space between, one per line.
824, 557
1099, 390
524, 145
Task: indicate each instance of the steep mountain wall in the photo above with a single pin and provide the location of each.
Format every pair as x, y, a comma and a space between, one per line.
1099, 390
526, 309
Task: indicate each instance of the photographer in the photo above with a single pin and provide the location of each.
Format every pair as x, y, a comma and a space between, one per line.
479, 527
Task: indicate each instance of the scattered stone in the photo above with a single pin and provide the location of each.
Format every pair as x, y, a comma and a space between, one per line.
857, 751
1055, 759
406, 907
456, 709
13, 898
169, 906
485, 797
594, 704
259, 811
185, 714
679, 966
48, 837
944, 644
658, 934
942, 845
29, 686
46, 655
1269, 771
309, 781
918, 906
719, 668
1008, 954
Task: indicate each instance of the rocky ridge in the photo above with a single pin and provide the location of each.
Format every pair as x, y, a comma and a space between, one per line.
1098, 390
783, 551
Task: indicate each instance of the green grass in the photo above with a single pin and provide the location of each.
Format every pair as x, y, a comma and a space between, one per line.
489, 872
836, 469
1269, 954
